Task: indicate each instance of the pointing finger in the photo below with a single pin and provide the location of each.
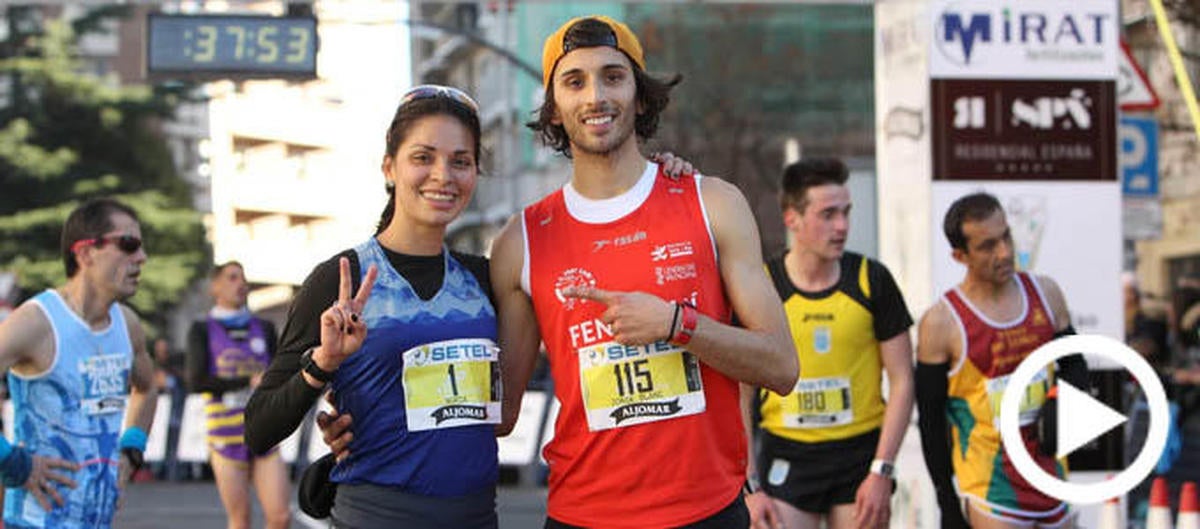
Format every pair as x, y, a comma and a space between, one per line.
589, 293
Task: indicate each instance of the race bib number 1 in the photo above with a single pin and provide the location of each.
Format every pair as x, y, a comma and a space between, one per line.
105, 383
627, 385
818, 403
452, 383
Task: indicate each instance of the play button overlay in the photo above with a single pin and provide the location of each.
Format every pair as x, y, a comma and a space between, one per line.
1082, 418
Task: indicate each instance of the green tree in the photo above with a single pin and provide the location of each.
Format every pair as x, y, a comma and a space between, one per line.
754, 76
66, 136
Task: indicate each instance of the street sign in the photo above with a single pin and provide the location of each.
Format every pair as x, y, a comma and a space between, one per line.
1133, 88
1139, 156
1141, 219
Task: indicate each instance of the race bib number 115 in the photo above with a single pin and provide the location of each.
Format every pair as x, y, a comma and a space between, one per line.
626, 385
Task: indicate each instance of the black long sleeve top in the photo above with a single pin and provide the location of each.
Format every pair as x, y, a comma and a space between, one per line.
281, 401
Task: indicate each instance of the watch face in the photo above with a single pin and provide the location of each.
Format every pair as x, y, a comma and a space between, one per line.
883, 468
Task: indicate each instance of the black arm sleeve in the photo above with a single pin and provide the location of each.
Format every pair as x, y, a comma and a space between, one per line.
932, 388
199, 378
887, 304
1073, 368
272, 338
280, 403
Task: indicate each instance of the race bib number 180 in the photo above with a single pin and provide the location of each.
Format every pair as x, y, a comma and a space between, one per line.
818, 403
452, 383
627, 385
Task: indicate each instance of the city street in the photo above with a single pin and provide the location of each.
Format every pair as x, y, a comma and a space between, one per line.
195, 505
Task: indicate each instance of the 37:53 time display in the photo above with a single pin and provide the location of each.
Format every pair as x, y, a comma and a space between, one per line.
231, 44
260, 45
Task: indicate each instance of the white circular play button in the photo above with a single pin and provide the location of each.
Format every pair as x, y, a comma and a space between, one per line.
1082, 418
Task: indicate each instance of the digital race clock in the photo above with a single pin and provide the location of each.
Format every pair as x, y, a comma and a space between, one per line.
231, 46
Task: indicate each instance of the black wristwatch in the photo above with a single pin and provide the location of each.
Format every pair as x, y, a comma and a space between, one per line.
311, 367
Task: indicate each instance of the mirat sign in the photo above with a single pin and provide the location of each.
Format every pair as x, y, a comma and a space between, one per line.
1027, 39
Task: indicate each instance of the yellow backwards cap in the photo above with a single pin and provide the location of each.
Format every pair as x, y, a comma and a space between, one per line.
555, 47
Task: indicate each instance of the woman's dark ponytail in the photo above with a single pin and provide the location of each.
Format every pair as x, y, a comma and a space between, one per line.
389, 210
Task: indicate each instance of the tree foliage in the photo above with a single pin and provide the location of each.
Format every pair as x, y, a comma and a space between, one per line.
66, 136
790, 80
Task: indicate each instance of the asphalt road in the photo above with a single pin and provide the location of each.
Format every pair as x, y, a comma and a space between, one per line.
195, 505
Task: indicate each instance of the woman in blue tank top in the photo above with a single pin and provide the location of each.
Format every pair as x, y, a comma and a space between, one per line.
403, 332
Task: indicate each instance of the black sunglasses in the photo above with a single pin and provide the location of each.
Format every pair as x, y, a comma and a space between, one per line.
126, 243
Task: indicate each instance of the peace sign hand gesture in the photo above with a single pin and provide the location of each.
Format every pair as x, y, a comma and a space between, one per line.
342, 327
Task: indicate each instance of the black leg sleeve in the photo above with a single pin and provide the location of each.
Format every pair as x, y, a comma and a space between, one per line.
932, 388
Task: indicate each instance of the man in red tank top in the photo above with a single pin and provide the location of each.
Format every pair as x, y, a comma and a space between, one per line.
968, 344
632, 279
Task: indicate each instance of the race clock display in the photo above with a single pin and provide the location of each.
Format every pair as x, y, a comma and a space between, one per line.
231, 46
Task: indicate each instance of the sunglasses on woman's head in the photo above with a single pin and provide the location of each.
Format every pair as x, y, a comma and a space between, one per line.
126, 243
430, 91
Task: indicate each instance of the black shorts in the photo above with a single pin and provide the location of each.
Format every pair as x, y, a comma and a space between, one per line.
813, 477
733, 516
369, 506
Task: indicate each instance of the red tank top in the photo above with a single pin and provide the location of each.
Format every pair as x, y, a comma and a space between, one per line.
646, 436
997, 349
992, 351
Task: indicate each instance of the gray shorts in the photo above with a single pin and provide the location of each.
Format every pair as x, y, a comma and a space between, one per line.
379, 507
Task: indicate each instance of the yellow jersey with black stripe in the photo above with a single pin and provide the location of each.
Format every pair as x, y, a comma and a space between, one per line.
837, 333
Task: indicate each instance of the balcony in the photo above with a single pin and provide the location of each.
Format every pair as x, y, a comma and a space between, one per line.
287, 185
278, 248
295, 117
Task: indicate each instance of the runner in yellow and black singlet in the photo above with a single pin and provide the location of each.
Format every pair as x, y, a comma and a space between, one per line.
828, 447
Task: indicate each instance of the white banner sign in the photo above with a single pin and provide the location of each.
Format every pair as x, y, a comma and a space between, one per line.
1024, 39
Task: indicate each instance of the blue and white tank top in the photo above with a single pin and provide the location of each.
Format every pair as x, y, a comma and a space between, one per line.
74, 411
424, 388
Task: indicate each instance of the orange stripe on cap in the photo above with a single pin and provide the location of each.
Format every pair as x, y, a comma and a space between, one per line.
552, 50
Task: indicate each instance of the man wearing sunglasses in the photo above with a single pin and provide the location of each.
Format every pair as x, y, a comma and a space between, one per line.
632, 279
78, 364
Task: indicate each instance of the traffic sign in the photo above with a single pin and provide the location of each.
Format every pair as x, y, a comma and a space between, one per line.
1139, 156
1133, 88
